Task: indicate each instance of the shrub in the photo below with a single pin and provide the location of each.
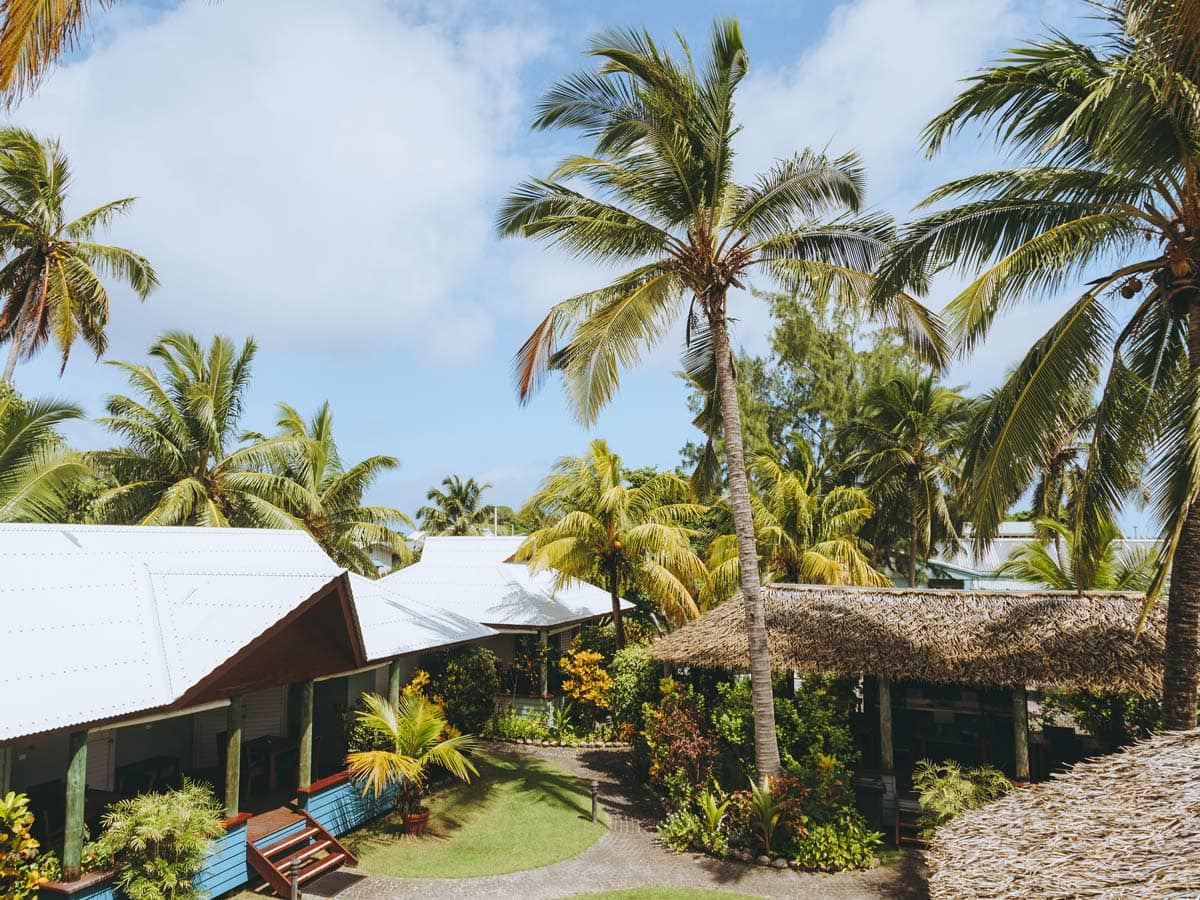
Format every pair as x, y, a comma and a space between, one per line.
712, 816
585, 681
845, 843
679, 744
633, 683
159, 841
466, 682
19, 871
680, 830
508, 723
947, 790
809, 726
766, 811
1116, 719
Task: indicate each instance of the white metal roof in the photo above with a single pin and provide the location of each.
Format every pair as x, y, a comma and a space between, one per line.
994, 555
101, 621
473, 577
393, 624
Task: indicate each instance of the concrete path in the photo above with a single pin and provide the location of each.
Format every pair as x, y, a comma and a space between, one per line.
628, 856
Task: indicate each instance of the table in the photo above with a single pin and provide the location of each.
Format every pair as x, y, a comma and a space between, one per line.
270, 748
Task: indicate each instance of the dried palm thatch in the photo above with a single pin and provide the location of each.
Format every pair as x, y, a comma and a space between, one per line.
1124, 826
1036, 639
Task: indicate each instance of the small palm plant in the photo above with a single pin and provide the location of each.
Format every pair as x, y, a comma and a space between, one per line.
415, 734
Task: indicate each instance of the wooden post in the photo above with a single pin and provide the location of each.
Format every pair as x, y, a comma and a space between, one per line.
233, 756
887, 760
76, 795
6, 754
1021, 732
304, 779
394, 683
544, 673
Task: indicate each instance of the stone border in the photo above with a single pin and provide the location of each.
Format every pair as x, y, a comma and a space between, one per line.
571, 745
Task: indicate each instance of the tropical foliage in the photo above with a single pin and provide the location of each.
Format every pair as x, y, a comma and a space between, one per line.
456, 510
158, 842
655, 191
1118, 568
50, 279
414, 738
181, 463
1105, 200
19, 873
946, 790
37, 471
606, 531
909, 435
332, 493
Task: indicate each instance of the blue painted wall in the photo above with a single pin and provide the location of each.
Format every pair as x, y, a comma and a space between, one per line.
225, 868
343, 807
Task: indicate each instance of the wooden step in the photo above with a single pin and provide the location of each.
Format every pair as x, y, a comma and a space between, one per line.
287, 843
329, 863
304, 854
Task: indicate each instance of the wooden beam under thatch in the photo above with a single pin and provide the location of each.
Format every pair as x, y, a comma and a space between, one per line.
1008, 639
1124, 825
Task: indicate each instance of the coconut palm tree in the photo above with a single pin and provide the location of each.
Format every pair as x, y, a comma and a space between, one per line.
656, 192
50, 280
807, 533
34, 36
909, 434
1107, 200
1117, 569
415, 737
456, 510
181, 463
333, 511
37, 472
605, 530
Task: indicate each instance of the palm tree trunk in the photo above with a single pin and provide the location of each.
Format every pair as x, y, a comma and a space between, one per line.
766, 746
618, 625
18, 341
912, 546
1181, 672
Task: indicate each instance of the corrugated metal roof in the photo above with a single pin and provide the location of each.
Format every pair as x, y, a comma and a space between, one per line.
102, 621
393, 624
472, 577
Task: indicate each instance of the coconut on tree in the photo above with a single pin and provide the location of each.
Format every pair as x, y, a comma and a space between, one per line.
655, 191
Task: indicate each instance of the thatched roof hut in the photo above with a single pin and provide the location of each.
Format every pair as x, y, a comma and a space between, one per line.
1122, 826
1076, 641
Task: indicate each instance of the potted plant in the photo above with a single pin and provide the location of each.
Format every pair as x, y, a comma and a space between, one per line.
414, 733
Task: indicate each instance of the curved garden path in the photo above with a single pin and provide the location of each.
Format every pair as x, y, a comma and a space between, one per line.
627, 856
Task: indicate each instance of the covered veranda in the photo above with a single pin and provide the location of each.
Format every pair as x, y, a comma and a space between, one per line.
946, 674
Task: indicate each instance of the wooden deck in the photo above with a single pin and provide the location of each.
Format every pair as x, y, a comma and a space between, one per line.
269, 822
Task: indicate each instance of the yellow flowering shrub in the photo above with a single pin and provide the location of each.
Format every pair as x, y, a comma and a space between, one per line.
18, 850
585, 679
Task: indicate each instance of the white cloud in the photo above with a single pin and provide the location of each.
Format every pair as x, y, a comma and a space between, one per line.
304, 168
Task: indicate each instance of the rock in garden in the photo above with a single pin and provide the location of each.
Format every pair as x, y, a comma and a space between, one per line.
780, 863
763, 860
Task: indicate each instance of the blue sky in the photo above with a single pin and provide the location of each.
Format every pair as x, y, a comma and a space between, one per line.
324, 176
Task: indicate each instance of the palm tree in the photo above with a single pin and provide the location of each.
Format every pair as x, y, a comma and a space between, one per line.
1110, 140
657, 192
34, 37
604, 529
456, 510
180, 464
37, 472
807, 534
51, 276
333, 511
909, 434
1116, 569
414, 732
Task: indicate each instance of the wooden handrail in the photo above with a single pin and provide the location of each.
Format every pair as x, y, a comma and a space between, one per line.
322, 784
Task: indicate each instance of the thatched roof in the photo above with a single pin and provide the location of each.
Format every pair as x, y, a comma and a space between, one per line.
1087, 641
1124, 826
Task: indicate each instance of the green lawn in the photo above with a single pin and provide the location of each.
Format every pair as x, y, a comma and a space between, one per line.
521, 813
664, 893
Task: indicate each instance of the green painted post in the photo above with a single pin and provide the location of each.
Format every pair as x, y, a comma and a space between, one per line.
306, 734
76, 795
887, 759
394, 683
233, 756
544, 672
6, 754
